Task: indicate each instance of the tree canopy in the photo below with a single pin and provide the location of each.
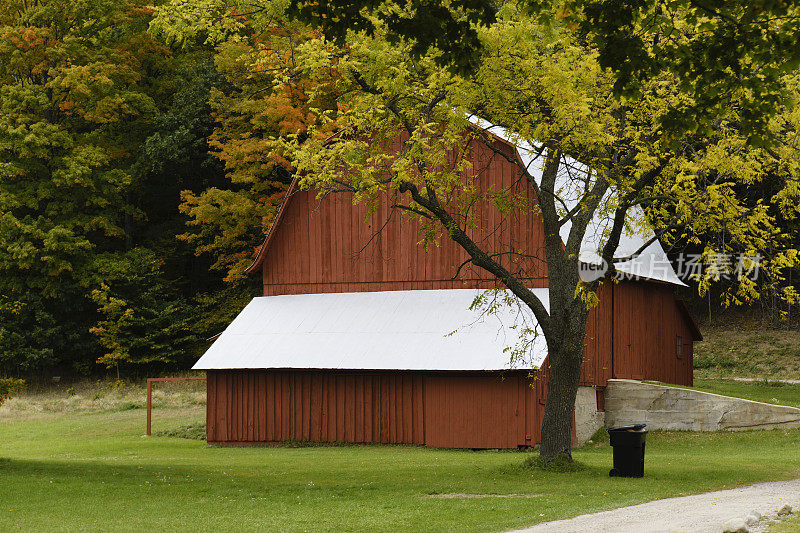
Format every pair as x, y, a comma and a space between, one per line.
101, 127
713, 49
595, 154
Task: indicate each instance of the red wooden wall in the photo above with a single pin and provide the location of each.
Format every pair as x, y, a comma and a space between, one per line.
597, 364
331, 245
633, 334
647, 322
451, 410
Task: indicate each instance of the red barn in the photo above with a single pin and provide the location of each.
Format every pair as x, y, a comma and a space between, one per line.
363, 336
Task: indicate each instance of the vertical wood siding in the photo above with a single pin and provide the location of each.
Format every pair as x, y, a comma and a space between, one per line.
332, 245
597, 364
684, 364
479, 410
647, 322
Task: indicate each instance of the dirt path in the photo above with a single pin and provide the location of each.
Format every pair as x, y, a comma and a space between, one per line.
701, 513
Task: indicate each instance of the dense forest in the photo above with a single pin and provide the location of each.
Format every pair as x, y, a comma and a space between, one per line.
113, 150
138, 175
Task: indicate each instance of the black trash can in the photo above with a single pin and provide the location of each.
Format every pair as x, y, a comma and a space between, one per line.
628, 445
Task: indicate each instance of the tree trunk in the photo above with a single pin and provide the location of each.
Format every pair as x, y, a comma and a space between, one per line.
565, 373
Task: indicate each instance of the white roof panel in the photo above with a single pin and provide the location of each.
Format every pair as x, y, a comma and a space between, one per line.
651, 263
394, 330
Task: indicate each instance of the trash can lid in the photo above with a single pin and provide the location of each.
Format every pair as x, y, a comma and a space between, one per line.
632, 427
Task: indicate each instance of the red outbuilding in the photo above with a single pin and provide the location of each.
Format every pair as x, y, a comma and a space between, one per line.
364, 336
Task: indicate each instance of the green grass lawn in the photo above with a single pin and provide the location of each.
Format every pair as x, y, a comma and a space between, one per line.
760, 391
788, 524
754, 352
94, 471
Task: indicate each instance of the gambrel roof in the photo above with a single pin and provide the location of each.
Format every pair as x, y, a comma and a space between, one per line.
652, 263
372, 321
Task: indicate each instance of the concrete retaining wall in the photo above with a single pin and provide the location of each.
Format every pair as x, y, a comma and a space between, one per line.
587, 419
661, 407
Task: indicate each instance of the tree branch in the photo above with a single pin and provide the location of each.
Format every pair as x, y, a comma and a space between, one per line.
477, 256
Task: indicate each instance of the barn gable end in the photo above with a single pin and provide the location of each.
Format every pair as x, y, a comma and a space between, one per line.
331, 245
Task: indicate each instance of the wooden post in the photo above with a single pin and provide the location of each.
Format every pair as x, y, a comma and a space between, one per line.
150, 395
149, 403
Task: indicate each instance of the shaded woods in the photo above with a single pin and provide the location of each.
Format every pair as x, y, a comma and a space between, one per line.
144, 153
103, 128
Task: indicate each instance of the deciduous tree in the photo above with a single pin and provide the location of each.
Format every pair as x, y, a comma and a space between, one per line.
101, 127
595, 150
9, 386
255, 53
546, 86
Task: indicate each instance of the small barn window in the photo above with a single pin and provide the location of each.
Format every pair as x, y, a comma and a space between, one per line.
679, 346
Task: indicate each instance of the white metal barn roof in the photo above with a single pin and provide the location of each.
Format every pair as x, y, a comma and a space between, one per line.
392, 330
651, 263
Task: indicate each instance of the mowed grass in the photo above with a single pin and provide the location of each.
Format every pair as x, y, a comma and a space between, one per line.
760, 391
94, 471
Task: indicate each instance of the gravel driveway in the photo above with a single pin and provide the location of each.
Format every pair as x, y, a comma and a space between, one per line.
701, 513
